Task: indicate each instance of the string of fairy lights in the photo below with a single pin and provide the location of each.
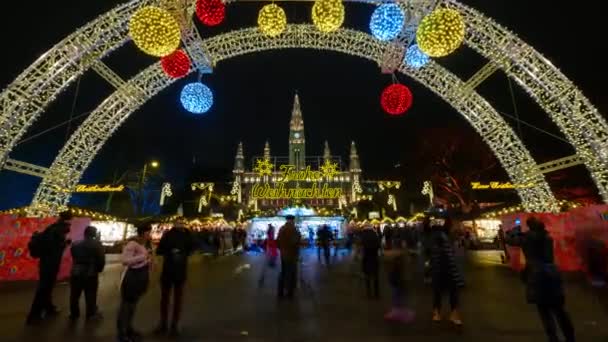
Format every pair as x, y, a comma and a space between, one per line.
156, 31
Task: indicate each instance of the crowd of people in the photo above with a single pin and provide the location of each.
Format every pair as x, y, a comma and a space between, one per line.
435, 245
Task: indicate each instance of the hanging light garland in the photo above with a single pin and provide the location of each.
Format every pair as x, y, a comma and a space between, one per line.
155, 31
210, 12
387, 22
415, 58
396, 99
272, 20
441, 32
196, 98
328, 15
176, 65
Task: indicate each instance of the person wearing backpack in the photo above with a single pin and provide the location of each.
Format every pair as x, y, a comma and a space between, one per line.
88, 260
175, 246
48, 246
543, 281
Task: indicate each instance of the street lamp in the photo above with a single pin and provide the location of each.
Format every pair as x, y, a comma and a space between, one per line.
154, 164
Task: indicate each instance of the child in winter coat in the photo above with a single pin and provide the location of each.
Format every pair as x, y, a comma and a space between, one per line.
395, 267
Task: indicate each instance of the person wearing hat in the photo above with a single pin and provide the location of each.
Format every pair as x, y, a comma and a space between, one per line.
288, 242
88, 260
175, 247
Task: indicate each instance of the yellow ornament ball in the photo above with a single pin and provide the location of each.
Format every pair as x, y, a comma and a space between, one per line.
328, 15
441, 32
272, 20
155, 31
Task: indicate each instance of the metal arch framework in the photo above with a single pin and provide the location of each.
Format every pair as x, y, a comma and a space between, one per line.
84, 144
43, 81
576, 117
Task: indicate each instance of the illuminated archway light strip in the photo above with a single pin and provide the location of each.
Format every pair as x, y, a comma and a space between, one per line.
87, 140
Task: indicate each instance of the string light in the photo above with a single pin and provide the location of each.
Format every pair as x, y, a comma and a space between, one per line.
415, 58
176, 65
387, 21
196, 98
155, 31
210, 12
396, 99
272, 20
441, 32
328, 15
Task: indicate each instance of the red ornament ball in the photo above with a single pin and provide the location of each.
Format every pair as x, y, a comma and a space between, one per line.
396, 99
176, 65
210, 12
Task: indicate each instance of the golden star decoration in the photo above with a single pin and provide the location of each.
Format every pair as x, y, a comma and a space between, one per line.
329, 169
263, 167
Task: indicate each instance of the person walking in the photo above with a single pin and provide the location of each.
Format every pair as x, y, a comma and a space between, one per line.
288, 242
137, 259
370, 262
88, 260
445, 273
175, 247
325, 238
543, 281
396, 260
49, 246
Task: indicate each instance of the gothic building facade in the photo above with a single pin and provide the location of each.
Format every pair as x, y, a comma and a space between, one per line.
269, 181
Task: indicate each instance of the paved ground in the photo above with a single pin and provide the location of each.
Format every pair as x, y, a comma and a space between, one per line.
225, 303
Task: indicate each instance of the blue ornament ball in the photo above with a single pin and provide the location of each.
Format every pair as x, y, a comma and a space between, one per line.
415, 58
387, 21
196, 98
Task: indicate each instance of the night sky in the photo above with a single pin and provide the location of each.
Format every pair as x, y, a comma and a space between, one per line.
254, 95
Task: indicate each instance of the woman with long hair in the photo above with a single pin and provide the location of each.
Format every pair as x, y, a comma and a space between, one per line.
137, 259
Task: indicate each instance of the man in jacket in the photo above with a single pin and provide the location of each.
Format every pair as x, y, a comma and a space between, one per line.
175, 246
55, 242
370, 264
88, 260
325, 237
288, 242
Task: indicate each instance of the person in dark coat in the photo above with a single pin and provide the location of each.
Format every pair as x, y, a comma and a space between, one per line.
288, 242
388, 237
370, 263
544, 285
88, 260
175, 247
55, 241
445, 274
325, 237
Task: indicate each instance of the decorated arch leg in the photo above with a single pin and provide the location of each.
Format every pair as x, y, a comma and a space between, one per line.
67, 169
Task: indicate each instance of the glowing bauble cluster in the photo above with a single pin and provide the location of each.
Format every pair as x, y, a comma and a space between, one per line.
328, 15
196, 98
387, 22
155, 31
415, 58
272, 20
210, 12
396, 99
176, 65
441, 32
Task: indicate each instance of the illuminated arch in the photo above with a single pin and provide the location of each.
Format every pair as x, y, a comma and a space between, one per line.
84, 144
24, 99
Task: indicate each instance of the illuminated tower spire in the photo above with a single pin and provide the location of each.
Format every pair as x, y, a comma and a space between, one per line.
326, 152
239, 161
297, 150
355, 165
267, 151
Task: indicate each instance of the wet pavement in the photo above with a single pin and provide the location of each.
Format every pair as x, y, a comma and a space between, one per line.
226, 302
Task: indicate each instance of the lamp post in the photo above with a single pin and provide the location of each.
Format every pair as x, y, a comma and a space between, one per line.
153, 164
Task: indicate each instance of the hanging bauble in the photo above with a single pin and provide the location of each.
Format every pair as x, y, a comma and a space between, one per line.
415, 58
396, 99
196, 98
210, 12
387, 22
441, 32
176, 65
155, 31
328, 15
272, 20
